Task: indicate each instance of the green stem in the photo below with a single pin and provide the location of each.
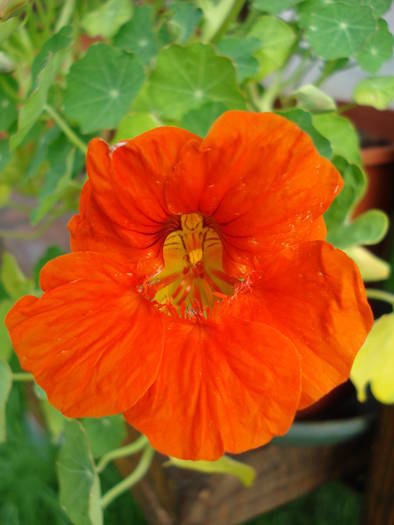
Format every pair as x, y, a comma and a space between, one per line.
65, 14
132, 479
219, 17
22, 376
266, 102
121, 452
381, 295
72, 136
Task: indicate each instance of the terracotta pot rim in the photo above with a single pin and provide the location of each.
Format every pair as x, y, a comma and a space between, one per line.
378, 155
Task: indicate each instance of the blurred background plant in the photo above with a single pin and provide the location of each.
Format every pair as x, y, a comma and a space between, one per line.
74, 69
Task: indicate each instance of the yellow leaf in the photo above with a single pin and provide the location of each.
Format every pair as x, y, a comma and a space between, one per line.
374, 363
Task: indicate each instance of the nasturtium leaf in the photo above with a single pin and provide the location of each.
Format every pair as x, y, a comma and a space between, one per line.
59, 41
12, 278
107, 18
303, 119
372, 268
104, 434
5, 155
139, 36
8, 110
276, 40
225, 465
187, 77
79, 485
379, 7
378, 48
313, 99
5, 388
341, 134
354, 188
368, 228
199, 120
274, 7
185, 18
101, 86
338, 30
133, 124
5, 342
241, 51
377, 92
50, 253
54, 419
35, 103
374, 364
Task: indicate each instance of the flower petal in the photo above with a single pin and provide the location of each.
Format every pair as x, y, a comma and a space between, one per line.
315, 296
261, 180
223, 386
91, 341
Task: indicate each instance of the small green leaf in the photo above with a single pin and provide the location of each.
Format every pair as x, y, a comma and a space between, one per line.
187, 77
134, 124
101, 86
354, 188
303, 119
372, 268
276, 40
104, 434
199, 120
337, 30
12, 277
378, 49
5, 342
274, 7
50, 253
79, 485
5, 388
368, 228
379, 7
185, 18
107, 18
35, 103
374, 364
241, 51
139, 36
341, 134
313, 99
58, 42
54, 420
225, 465
377, 92
8, 110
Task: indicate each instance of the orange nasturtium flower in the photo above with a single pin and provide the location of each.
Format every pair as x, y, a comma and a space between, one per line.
200, 298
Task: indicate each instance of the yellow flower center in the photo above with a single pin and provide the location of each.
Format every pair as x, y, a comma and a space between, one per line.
193, 274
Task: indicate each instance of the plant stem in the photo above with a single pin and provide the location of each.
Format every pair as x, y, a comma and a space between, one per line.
381, 295
266, 102
65, 14
22, 376
132, 479
73, 137
219, 17
121, 452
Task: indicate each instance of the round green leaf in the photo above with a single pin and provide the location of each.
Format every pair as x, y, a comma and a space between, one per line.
187, 77
377, 92
184, 20
101, 86
134, 124
276, 40
107, 18
339, 30
341, 134
138, 35
79, 485
104, 434
199, 120
377, 49
368, 228
274, 7
241, 51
